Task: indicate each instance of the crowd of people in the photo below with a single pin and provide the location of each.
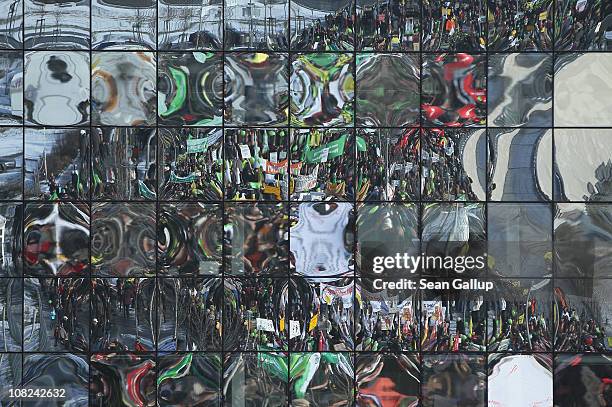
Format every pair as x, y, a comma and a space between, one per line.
66, 299
389, 26
457, 25
443, 175
520, 26
578, 330
124, 163
387, 325
334, 32
388, 166
256, 165
520, 326
583, 25
322, 164
116, 305
191, 160
453, 325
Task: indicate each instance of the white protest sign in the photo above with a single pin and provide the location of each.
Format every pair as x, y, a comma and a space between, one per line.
294, 329
265, 325
245, 152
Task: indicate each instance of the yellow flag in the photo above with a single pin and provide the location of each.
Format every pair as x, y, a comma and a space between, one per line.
282, 324
313, 322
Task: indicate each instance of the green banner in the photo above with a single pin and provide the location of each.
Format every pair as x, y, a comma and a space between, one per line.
182, 180
325, 152
361, 144
145, 192
197, 145
200, 145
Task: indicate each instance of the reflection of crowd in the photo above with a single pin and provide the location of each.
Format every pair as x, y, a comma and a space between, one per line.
525, 28
108, 299
384, 325
67, 165
191, 175
444, 177
576, 333
326, 322
389, 26
65, 298
256, 164
467, 332
581, 25
387, 169
332, 175
189, 312
520, 326
257, 303
73, 188
117, 155
453, 25
335, 32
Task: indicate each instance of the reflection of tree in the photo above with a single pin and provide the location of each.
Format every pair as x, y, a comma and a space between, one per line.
584, 233
602, 190
62, 153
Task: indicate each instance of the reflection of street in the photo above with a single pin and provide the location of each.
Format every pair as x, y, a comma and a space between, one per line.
11, 86
8, 222
582, 159
131, 24
55, 317
57, 163
514, 160
123, 314
10, 180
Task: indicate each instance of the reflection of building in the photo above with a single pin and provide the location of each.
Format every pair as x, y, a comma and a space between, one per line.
11, 86
305, 13
196, 21
255, 21
10, 23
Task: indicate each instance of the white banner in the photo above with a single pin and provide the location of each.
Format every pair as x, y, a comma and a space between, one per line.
294, 329
265, 325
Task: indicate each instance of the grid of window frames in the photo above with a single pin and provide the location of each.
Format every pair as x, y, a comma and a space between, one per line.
211, 202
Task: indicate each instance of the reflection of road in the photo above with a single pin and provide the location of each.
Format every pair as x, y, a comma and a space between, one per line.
322, 5
473, 151
124, 329
57, 41
65, 178
515, 175
127, 3
581, 156
583, 84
